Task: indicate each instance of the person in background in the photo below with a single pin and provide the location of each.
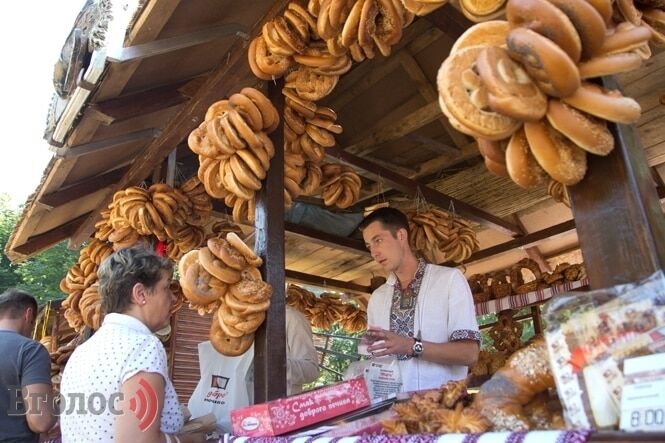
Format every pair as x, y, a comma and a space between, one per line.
25, 372
123, 363
424, 314
301, 359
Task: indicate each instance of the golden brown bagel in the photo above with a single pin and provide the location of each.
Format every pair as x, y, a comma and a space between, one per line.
489, 33
609, 105
458, 96
585, 131
522, 166
554, 71
564, 161
510, 90
588, 23
547, 20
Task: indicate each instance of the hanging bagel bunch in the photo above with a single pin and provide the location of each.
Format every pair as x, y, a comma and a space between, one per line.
441, 236
323, 312
313, 47
80, 306
223, 278
520, 88
649, 13
234, 149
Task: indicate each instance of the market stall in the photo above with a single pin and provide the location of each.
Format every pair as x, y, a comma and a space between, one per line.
141, 112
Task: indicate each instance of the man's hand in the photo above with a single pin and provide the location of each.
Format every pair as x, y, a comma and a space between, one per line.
388, 343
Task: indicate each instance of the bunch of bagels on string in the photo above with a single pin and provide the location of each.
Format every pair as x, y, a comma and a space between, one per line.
524, 88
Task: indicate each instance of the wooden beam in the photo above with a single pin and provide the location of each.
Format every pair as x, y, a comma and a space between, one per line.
220, 83
366, 77
139, 103
270, 339
83, 188
524, 241
322, 282
429, 93
620, 221
334, 241
415, 189
55, 235
164, 46
434, 166
434, 145
72, 152
450, 21
411, 122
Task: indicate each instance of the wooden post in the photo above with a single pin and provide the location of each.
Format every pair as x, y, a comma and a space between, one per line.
617, 213
270, 339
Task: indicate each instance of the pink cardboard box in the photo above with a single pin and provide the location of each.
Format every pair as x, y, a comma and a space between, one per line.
299, 411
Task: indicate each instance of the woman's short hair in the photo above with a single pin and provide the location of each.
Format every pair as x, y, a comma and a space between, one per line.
125, 268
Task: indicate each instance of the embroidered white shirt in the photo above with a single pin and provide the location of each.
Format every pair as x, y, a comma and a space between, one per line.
444, 312
120, 349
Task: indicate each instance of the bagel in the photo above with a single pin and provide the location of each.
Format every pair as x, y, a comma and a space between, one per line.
268, 62
480, 10
217, 268
228, 329
629, 11
496, 168
251, 291
606, 104
553, 70
458, 96
231, 133
626, 37
349, 35
253, 66
311, 149
326, 124
564, 161
245, 308
294, 121
320, 135
196, 288
246, 107
489, 33
226, 253
244, 174
244, 130
510, 90
547, 20
243, 249
288, 35
226, 345
246, 324
521, 165
217, 109
588, 23
492, 149
585, 131
255, 164
268, 112
655, 20
604, 8
274, 41
609, 64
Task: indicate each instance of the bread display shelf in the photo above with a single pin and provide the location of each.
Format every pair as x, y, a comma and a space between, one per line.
522, 300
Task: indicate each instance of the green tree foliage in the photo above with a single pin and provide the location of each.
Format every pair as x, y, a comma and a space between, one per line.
8, 276
41, 274
345, 351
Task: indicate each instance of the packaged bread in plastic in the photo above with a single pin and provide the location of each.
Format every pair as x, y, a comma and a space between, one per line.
590, 335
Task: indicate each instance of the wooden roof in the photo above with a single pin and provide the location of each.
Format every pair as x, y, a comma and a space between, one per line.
181, 56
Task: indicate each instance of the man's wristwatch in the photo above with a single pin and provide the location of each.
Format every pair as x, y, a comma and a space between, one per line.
417, 348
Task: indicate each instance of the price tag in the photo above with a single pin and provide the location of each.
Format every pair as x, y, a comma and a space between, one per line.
643, 397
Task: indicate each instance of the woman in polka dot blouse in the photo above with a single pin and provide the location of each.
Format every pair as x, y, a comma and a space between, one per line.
116, 387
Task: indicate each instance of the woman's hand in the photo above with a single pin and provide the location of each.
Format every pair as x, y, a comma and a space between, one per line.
388, 343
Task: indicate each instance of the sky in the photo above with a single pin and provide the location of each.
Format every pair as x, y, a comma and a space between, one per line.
31, 36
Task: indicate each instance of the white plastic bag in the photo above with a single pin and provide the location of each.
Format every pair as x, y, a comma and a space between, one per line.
222, 387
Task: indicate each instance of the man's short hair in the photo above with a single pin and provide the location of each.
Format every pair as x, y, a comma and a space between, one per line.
125, 268
14, 302
391, 219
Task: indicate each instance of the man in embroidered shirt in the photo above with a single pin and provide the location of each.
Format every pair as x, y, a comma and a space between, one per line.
424, 313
